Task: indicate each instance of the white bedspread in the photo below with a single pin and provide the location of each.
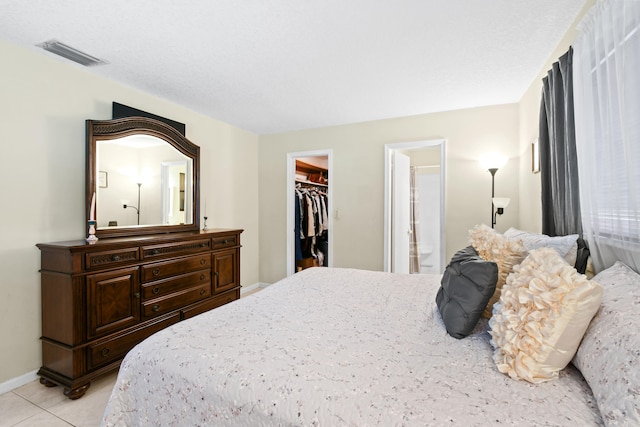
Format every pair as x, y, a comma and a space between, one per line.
333, 347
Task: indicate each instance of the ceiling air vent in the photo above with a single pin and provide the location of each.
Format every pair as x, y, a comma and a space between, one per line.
70, 53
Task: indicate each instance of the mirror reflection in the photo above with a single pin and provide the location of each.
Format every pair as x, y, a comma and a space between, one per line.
142, 181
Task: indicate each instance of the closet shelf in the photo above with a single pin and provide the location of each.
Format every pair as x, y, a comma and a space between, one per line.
304, 167
302, 181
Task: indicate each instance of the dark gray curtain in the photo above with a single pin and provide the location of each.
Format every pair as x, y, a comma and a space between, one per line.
557, 144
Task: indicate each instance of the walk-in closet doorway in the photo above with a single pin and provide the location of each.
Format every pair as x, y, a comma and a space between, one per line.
313, 173
414, 210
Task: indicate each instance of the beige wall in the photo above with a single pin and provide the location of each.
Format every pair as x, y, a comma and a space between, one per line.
42, 146
529, 183
358, 180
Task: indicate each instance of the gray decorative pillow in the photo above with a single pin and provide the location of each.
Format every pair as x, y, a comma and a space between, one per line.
466, 287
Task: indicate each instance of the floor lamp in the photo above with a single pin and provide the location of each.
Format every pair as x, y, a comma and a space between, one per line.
492, 163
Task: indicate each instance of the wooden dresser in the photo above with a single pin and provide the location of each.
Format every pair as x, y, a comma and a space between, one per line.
100, 300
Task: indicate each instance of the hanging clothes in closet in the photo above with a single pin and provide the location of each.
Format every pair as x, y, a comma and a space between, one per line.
311, 226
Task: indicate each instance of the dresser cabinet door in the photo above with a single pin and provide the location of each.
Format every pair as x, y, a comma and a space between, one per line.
113, 301
225, 270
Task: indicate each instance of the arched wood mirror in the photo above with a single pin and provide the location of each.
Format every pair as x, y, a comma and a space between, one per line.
145, 176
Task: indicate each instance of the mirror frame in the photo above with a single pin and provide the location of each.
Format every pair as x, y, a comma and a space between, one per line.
118, 128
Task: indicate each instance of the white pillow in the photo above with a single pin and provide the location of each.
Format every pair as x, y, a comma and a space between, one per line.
566, 246
543, 312
609, 356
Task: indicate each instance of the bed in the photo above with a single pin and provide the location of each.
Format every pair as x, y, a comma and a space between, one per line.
331, 346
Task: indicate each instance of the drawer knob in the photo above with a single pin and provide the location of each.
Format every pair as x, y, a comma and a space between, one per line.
225, 241
155, 308
203, 245
155, 271
155, 252
137, 294
105, 352
203, 261
203, 291
155, 290
115, 258
202, 276
215, 273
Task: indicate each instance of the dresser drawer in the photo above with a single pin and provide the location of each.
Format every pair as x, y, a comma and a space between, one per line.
174, 284
175, 249
175, 300
105, 352
225, 241
161, 270
211, 303
108, 259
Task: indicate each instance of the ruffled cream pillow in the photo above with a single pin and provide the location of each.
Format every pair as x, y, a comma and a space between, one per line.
544, 311
506, 253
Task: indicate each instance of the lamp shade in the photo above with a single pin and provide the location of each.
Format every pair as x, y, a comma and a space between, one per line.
501, 202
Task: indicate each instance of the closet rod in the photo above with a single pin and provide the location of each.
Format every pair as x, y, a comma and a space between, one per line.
315, 184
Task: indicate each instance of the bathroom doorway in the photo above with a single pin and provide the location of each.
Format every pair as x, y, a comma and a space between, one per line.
415, 184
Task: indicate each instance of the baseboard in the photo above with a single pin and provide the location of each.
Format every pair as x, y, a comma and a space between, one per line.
249, 288
18, 381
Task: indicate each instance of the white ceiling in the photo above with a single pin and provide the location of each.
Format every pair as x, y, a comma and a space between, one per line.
271, 66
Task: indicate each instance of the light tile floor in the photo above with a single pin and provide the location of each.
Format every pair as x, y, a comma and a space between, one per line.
34, 405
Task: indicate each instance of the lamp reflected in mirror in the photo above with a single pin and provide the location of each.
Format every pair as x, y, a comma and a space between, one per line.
125, 203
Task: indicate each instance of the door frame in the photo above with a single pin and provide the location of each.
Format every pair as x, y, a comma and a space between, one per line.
389, 149
291, 185
165, 198
400, 212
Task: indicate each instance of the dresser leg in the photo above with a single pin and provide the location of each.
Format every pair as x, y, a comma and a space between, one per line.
45, 382
77, 392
